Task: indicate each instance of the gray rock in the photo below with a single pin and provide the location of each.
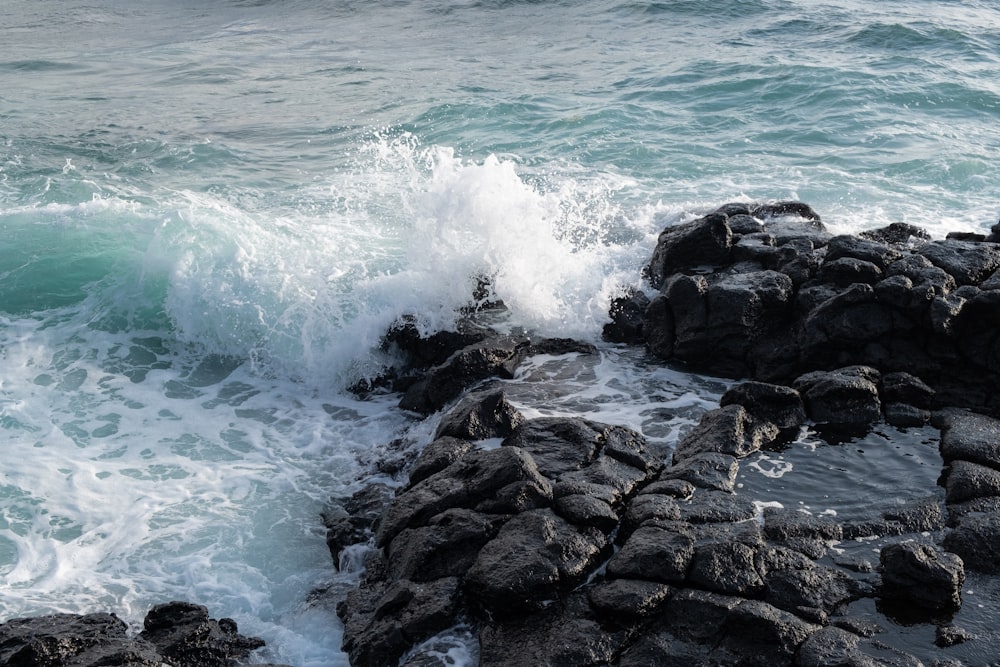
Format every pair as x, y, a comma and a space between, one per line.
921, 578
437, 456
655, 553
717, 507
558, 445
586, 510
703, 242
481, 415
777, 404
497, 357
446, 547
844, 397
974, 540
833, 647
969, 263
62, 639
969, 436
965, 481
711, 470
563, 635
648, 507
821, 588
184, 634
353, 520
535, 557
726, 567
873, 251
497, 480
727, 430
783, 524
624, 598
381, 623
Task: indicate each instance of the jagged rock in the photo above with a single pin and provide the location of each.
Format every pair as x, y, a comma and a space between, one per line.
777, 404
585, 510
426, 351
676, 488
381, 623
446, 547
559, 346
897, 233
711, 470
716, 507
62, 639
353, 520
833, 647
437, 456
756, 631
726, 567
648, 507
623, 598
844, 397
558, 445
784, 524
499, 480
660, 553
497, 356
812, 588
905, 388
481, 415
726, 430
703, 242
175, 633
716, 320
534, 558
974, 540
921, 578
950, 635
563, 635
869, 250
184, 634
627, 313
969, 263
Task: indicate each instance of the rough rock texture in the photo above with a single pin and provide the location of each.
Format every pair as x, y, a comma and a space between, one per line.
780, 298
921, 578
574, 544
179, 634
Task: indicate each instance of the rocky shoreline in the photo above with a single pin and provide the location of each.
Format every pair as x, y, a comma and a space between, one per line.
573, 543
567, 542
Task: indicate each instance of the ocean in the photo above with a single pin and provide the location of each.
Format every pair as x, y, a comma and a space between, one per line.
210, 212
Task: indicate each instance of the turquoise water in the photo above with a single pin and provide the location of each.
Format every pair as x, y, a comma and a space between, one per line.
209, 212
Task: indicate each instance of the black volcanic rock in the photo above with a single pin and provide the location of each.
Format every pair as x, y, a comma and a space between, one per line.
921, 578
175, 633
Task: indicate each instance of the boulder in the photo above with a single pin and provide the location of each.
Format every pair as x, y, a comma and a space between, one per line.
534, 558
381, 623
969, 436
437, 456
727, 430
705, 242
184, 634
618, 599
446, 547
502, 480
659, 553
974, 540
920, 578
965, 481
353, 520
711, 470
88, 640
627, 313
497, 356
844, 397
777, 404
481, 415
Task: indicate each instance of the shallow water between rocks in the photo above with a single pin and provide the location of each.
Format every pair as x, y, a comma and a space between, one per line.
847, 478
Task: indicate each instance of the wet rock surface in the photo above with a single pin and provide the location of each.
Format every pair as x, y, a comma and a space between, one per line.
178, 634
574, 543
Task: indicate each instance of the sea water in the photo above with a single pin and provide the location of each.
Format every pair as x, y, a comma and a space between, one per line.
210, 212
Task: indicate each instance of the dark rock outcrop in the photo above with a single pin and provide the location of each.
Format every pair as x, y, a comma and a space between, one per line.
177, 633
780, 298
